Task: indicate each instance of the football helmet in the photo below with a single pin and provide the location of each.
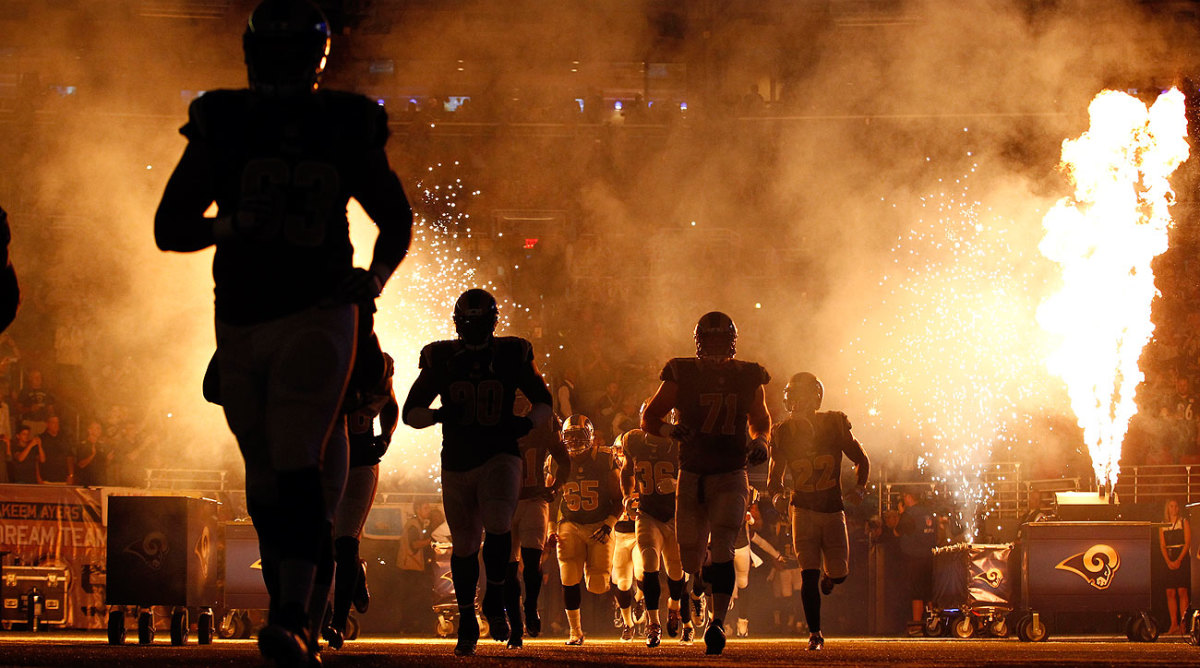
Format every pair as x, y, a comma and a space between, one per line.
286, 45
475, 316
578, 434
803, 392
716, 335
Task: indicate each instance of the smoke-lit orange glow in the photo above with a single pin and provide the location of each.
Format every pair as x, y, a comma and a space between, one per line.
1104, 237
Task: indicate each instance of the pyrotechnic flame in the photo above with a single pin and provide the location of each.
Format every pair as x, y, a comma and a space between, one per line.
1105, 237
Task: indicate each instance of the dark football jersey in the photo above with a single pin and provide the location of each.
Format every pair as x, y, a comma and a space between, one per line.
813, 453
592, 492
477, 388
655, 462
535, 449
714, 401
295, 162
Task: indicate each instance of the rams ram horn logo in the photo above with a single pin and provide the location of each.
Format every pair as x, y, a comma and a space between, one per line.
1098, 566
151, 549
992, 576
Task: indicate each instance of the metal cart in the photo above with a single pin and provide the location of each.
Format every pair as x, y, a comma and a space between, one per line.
972, 590
162, 551
1092, 568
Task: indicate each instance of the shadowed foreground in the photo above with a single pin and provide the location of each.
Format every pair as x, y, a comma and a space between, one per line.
80, 649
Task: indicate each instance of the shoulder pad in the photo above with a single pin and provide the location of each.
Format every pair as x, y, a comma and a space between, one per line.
760, 372
514, 346
671, 370
435, 353
366, 116
212, 110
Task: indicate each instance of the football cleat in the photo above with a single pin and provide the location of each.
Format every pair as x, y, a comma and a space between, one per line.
334, 637
714, 639
468, 637
653, 635
515, 642
815, 643
688, 634
743, 628
493, 612
362, 595
626, 633
282, 646
533, 623
673, 623
826, 584
575, 640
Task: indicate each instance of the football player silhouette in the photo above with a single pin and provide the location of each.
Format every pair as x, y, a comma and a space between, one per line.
723, 427
10, 292
810, 445
531, 522
477, 377
281, 159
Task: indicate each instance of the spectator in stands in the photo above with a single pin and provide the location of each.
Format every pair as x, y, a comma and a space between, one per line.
35, 403
58, 461
1173, 540
93, 456
24, 454
565, 398
627, 417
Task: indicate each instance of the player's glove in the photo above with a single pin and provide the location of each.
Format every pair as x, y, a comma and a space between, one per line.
678, 432
759, 452
857, 495
360, 286
601, 535
379, 446
632, 506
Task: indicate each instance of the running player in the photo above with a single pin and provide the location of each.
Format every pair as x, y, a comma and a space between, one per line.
477, 377
648, 481
626, 566
281, 160
587, 512
723, 426
532, 519
810, 445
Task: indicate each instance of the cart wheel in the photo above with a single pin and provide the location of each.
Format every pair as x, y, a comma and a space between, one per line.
116, 627
934, 626
962, 627
1142, 628
1194, 627
1032, 629
145, 627
228, 628
445, 627
204, 627
179, 627
998, 627
351, 628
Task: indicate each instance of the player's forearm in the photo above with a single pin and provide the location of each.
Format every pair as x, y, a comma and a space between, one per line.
391, 246
540, 414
